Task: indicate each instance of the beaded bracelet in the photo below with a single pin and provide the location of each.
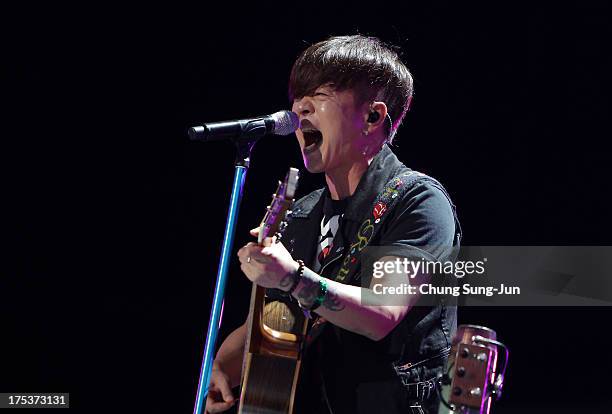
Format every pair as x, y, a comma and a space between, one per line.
297, 276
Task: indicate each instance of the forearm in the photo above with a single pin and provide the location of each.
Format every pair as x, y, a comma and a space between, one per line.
343, 306
229, 356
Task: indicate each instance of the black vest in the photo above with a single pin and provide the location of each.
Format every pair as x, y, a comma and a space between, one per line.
353, 373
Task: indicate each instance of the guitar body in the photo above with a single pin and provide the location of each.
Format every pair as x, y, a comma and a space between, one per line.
272, 356
275, 330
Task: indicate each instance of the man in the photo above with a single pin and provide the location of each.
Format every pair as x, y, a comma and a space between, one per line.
351, 94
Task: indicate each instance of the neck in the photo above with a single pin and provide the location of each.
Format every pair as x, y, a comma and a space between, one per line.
342, 182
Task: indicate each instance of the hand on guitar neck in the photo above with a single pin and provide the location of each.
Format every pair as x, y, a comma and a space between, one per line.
268, 264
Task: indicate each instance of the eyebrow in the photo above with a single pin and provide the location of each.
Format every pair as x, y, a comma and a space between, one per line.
329, 85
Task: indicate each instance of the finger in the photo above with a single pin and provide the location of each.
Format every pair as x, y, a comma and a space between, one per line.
226, 392
214, 404
218, 407
249, 255
245, 259
254, 232
273, 249
269, 241
260, 257
252, 250
245, 250
246, 271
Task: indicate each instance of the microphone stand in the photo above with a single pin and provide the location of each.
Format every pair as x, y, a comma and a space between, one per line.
241, 164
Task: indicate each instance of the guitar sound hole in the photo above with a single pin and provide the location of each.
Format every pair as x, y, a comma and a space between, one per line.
282, 317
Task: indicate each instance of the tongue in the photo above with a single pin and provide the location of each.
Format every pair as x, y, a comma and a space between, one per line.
312, 139
312, 144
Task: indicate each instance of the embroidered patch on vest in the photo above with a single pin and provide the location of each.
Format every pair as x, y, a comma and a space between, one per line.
382, 204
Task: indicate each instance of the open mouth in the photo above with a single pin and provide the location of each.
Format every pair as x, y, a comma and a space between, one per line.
312, 139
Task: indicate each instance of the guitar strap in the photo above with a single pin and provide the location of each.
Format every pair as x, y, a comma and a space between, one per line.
393, 191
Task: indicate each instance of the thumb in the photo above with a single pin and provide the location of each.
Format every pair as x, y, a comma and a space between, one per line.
270, 241
227, 395
254, 232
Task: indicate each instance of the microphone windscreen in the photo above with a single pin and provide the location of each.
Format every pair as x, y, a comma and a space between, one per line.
285, 122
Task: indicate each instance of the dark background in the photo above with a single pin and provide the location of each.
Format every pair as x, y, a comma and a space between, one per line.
114, 219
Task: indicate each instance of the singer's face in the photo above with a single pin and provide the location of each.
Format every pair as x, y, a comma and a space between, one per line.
331, 129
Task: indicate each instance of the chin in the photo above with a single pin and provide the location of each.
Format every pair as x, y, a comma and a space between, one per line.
313, 167
313, 163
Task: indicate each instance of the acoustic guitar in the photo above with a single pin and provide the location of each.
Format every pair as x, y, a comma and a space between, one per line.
473, 379
275, 330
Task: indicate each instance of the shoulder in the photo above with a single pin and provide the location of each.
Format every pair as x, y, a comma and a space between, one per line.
303, 206
425, 191
424, 216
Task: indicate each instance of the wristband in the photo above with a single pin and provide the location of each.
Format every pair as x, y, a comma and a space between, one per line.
320, 296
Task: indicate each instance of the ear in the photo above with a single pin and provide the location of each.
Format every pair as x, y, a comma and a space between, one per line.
372, 121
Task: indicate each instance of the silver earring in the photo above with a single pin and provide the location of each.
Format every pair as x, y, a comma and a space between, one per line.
365, 132
365, 151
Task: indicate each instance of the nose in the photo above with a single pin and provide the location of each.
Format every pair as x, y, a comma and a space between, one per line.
303, 106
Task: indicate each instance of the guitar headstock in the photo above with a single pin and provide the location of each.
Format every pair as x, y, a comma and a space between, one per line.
274, 220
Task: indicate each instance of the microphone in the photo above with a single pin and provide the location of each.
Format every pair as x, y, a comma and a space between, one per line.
279, 123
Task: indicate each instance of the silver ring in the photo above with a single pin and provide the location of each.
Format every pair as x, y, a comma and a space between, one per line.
249, 259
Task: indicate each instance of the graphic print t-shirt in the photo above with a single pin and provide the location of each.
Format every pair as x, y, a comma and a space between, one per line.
333, 210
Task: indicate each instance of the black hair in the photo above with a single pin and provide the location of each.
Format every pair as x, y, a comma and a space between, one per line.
372, 69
